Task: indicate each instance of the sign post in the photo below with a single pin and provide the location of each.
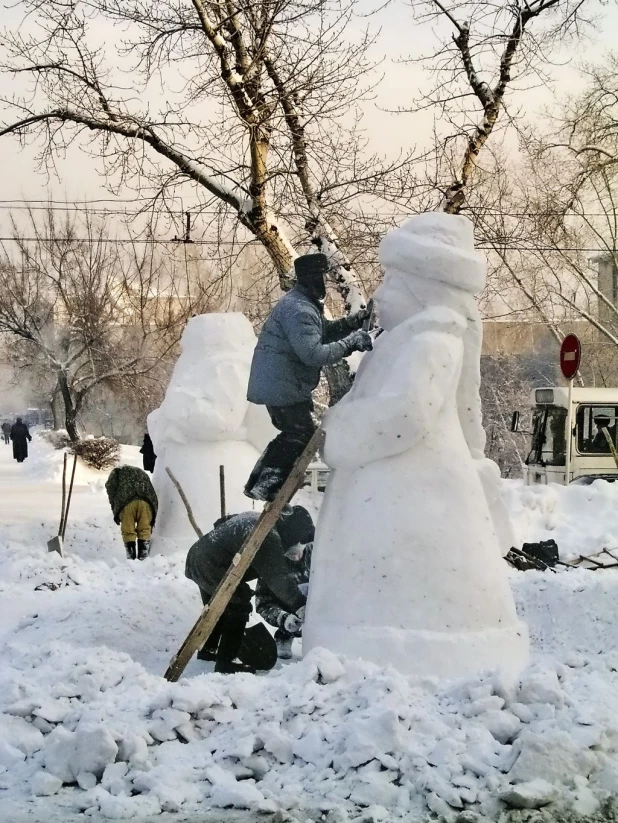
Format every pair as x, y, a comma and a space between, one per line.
570, 357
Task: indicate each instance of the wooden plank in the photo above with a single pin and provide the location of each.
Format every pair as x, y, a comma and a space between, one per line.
213, 610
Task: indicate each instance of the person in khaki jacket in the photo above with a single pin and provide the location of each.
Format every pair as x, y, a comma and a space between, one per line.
134, 505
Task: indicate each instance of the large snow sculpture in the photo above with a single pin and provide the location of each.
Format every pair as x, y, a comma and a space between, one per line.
406, 568
206, 421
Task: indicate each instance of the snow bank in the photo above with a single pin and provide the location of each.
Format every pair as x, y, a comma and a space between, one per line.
581, 519
320, 734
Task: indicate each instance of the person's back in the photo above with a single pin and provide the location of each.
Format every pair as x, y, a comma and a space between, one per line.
134, 504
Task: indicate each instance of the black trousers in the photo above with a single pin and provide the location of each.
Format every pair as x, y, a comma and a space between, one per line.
297, 426
226, 638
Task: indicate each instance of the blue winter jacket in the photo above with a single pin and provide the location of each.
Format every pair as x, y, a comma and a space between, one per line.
296, 341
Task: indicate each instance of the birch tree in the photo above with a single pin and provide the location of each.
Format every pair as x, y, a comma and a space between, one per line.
266, 129
486, 51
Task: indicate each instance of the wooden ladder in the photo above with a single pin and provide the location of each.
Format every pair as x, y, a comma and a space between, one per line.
213, 610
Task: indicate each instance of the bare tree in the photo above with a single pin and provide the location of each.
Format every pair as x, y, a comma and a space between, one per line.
280, 156
88, 310
490, 50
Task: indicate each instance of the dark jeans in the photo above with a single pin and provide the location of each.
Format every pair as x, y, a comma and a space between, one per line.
297, 426
226, 638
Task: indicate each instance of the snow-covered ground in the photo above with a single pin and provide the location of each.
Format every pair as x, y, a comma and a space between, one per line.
88, 724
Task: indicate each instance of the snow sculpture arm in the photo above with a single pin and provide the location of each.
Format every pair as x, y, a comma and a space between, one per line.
304, 331
404, 410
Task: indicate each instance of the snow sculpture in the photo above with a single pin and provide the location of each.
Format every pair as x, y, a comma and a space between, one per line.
406, 567
206, 421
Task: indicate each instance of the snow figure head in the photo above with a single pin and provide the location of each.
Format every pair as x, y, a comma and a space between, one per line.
206, 397
429, 261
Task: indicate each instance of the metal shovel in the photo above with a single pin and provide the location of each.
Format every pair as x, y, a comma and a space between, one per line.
57, 542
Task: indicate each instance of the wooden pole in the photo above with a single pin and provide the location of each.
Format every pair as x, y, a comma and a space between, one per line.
222, 489
213, 610
64, 492
187, 505
66, 511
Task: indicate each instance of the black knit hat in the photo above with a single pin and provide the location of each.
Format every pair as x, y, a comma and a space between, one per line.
295, 526
310, 266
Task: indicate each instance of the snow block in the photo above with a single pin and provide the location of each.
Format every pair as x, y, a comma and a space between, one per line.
532, 795
407, 567
206, 421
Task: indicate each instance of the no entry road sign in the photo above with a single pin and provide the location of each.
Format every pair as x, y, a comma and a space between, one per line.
570, 356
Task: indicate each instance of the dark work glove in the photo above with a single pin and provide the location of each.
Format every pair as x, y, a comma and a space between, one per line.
355, 321
359, 341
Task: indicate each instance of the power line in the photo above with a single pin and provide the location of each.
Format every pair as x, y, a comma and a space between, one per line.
116, 241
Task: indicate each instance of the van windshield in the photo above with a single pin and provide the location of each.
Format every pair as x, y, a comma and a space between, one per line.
548, 437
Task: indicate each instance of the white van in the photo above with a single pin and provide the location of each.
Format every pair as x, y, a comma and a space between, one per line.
591, 457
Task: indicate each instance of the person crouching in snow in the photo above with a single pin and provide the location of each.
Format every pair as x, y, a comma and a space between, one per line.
288, 624
211, 556
296, 341
134, 504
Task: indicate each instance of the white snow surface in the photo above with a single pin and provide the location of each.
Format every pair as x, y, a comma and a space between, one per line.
582, 520
88, 724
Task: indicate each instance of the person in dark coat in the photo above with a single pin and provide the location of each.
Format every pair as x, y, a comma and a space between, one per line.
295, 343
6, 431
148, 454
211, 556
134, 505
274, 611
20, 435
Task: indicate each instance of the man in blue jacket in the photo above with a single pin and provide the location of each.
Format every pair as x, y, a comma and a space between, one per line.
295, 343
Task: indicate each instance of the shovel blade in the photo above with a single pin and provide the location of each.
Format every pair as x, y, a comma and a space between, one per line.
55, 545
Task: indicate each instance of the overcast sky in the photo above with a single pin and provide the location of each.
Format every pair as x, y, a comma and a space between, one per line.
400, 36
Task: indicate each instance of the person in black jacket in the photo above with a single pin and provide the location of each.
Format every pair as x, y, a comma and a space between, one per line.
275, 612
6, 432
210, 557
148, 454
20, 435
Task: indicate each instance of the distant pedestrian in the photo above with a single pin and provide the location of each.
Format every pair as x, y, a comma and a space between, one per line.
148, 454
6, 432
134, 504
20, 435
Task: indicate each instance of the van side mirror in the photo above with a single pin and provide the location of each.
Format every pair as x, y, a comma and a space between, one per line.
515, 422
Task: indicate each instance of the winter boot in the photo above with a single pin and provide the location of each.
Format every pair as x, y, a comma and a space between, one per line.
284, 645
230, 667
267, 485
131, 550
143, 549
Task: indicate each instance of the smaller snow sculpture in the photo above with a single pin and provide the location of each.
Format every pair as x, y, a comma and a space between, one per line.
407, 568
206, 421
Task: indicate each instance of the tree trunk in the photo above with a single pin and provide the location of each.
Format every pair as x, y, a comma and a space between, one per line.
70, 407
56, 406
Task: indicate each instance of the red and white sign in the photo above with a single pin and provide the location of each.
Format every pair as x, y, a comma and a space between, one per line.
570, 356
